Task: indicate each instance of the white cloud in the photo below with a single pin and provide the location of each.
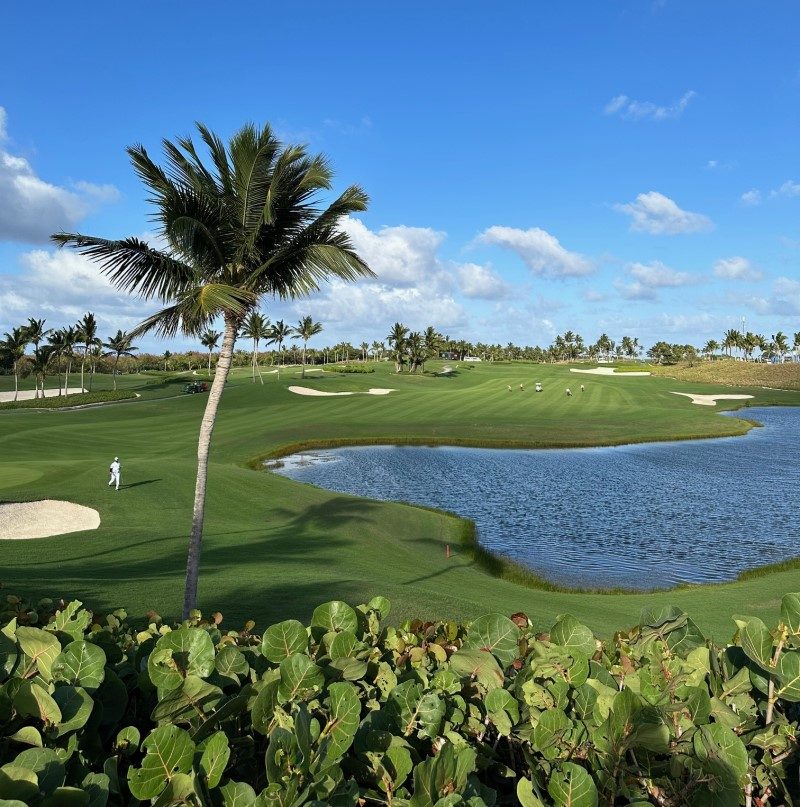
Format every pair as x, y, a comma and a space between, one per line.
635, 291
657, 214
31, 209
631, 109
398, 255
783, 301
592, 296
789, 188
736, 268
540, 250
658, 275
751, 198
480, 282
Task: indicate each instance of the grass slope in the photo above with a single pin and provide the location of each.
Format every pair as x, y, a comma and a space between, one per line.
730, 371
274, 548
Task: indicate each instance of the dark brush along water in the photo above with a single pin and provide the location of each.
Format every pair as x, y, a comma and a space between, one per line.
640, 516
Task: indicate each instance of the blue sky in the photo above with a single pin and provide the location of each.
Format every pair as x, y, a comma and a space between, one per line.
627, 166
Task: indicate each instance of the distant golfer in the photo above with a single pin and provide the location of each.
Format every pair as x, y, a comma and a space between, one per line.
582, 388
509, 387
114, 469
569, 392
521, 387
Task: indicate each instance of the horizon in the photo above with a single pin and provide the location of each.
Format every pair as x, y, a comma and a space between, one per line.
629, 172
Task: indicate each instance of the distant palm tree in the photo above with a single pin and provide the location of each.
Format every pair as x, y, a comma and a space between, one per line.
58, 348
781, 342
116, 346
248, 226
731, 340
415, 345
87, 336
36, 334
711, 347
12, 348
796, 342
39, 364
167, 357
70, 339
433, 342
304, 330
364, 351
377, 350
256, 327
397, 341
209, 340
278, 333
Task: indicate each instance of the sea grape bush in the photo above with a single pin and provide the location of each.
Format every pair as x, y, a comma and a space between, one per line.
347, 711
348, 368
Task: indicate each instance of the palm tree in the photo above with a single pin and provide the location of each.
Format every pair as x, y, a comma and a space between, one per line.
278, 333
116, 346
39, 363
37, 333
12, 348
415, 344
781, 343
256, 327
731, 340
397, 340
305, 329
247, 226
167, 357
796, 342
433, 341
209, 340
58, 348
364, 351
377, 350
70, 338
711, 347
87, 336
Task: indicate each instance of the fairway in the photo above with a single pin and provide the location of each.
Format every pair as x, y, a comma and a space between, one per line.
274, 548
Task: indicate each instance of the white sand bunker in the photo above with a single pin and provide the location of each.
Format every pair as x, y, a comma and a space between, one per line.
609, 371
711, 400
21, 520
28, 394
321, 394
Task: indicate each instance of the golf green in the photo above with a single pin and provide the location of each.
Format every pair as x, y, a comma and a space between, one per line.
274, 548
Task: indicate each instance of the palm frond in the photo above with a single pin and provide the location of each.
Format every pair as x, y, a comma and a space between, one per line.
133, 265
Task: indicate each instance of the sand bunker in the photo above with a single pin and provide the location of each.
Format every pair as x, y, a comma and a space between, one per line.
609, 371
28, 394
21, 520
320, 393
711, 400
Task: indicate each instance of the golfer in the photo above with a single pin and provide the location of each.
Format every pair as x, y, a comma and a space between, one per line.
114, 470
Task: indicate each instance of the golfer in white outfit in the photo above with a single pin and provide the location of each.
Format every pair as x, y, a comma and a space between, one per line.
114, 471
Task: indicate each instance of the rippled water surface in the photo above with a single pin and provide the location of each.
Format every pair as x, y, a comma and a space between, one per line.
640, 516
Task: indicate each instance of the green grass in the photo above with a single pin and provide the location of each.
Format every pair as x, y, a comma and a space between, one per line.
274, 548
67, 401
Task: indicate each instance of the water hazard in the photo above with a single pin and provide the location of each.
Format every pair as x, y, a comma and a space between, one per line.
644, 516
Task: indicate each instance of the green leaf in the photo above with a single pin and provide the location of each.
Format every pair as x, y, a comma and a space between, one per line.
18, 784
344, 645
756, 640
299, 677
191, 699
572, 786
127, 740
42, 647
8, 656
72, 620
170, 751
44, 762
283, 640
497, 634
97, 786
343, 720
525, 794
181, 652
790, 613
27, 735
723, 752
231, 663
264, 707
237, 794
67, 797
76, 706
430, 713
81, 664
570, 633
33, 700
550, 729
216, 754
478, 664
334, 616
788, 672
381, 605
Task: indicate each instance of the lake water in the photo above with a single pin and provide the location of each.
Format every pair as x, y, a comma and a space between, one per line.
641, 516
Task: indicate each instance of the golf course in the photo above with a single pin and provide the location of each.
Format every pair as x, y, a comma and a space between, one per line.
274, 548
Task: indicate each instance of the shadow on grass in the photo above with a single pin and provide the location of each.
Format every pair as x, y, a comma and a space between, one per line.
138, 484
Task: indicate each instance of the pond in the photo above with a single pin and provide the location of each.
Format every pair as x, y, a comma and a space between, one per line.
640, 516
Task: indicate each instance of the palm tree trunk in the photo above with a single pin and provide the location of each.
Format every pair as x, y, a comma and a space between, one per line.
114, 371
203, 450
91, 376
303, 371
83, 364
16, 379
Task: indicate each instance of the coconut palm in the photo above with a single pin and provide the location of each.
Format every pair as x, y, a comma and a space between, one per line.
781, 342
39, 363
245, 226
117, 346
256, 327
209, 340
397, 341
58, 349
87, 336
731, 340
377, 350
12, 349
304, 330
36, 334
796, 342
167, 357
278, 334
415, 345
711, 347
364, 351
433, 342
70, 338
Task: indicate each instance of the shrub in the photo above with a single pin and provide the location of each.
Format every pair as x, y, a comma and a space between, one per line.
78, 399
346, 711
348, 368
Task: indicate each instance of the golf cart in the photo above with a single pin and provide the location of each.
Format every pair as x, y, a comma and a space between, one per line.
196, 386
